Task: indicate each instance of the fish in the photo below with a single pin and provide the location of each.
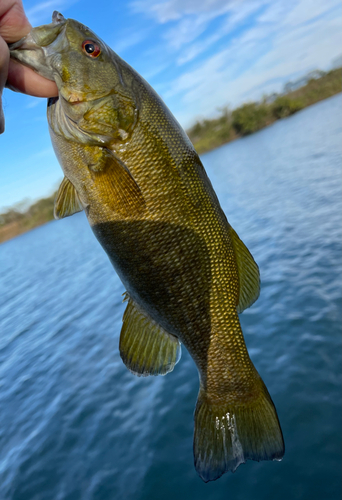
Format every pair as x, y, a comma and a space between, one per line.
130, 166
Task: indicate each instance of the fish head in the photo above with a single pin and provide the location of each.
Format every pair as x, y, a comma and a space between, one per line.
93, 97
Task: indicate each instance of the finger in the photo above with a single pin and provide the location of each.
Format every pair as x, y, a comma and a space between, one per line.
13, 21
4, 60
23, 79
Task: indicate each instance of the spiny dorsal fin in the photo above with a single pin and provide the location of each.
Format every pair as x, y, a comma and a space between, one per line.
67, 201
145, 347
117, 185
249, 277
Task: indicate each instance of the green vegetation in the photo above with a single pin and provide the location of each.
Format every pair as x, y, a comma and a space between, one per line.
318, 89
212, 133
251, 117
205, 135
284, 106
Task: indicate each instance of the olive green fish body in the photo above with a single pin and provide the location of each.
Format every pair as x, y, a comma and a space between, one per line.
170, 250
131, 167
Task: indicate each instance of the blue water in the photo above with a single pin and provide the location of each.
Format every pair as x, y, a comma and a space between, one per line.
76, 424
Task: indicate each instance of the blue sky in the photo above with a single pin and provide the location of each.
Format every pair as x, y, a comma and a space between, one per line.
198, 55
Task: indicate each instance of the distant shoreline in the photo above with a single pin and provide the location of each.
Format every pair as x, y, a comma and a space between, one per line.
15, 222
205, 135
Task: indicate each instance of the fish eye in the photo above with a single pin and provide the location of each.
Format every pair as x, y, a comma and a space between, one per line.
91, 48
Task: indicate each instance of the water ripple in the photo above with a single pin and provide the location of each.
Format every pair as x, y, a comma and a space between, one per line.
76, 425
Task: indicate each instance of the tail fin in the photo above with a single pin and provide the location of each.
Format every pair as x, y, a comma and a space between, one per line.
228, 435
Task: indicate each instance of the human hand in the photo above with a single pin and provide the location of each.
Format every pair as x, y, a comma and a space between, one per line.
13, 26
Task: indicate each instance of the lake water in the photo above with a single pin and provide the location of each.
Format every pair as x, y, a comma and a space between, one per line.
75, 424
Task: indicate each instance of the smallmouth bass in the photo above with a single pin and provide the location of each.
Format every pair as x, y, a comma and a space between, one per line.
129, 165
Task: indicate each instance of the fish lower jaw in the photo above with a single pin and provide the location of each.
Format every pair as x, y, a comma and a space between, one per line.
28, 53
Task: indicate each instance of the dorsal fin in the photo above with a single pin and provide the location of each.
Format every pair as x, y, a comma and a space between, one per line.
145, 347
249, 277
67, 201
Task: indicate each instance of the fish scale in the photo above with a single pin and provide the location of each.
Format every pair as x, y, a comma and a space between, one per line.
131, 167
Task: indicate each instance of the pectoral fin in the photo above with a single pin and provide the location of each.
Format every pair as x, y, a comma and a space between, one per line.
67, 201
119, 189
145, 347
249, 277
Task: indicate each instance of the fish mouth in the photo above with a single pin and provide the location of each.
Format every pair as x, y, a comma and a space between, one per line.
38, 47
41, 50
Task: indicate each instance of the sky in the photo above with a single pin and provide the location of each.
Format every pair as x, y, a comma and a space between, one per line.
199, 55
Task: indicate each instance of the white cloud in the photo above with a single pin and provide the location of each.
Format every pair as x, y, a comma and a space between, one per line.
170, 10
231, 22
258, 61
41, 13
186, 30
307, 10
40, 7
127, 39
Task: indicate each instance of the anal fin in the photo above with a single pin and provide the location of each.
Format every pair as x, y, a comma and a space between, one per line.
145, 347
